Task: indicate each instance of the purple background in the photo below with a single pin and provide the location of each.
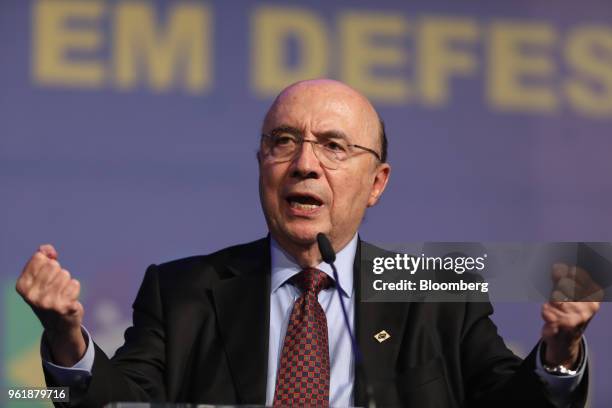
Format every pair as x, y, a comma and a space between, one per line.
117, 180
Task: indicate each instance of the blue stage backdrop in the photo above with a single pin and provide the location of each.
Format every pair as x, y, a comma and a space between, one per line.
128, 132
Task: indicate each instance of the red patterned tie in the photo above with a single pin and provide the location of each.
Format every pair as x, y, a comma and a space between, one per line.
303, 374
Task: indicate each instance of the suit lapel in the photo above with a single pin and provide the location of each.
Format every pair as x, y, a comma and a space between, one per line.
379, 358
242, 304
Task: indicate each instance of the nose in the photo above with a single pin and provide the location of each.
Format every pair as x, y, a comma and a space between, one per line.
306, 164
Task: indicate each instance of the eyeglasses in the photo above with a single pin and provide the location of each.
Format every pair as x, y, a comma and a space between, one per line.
330, 152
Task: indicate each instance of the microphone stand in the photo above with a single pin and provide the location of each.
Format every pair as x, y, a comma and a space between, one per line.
329, 256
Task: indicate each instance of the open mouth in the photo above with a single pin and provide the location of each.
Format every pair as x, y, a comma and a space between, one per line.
304, 202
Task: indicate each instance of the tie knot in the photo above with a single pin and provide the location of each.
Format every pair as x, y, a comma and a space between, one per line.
312, 280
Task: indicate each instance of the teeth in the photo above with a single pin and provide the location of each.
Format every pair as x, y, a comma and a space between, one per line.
301, 206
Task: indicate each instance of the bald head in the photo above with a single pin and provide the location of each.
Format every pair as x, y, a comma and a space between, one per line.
326, 94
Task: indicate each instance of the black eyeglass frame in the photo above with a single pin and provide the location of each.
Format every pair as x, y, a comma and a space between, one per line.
301, 141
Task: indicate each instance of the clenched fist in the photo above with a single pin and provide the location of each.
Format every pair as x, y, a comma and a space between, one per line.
574, 302
53, 296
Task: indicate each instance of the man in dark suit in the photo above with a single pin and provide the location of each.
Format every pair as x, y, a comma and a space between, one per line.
259, 323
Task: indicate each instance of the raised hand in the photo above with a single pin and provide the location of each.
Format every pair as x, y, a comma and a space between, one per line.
53, 295
574, 301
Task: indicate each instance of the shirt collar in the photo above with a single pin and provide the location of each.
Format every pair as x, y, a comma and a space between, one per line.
284, 266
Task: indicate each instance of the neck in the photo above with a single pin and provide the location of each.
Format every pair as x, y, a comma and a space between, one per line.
308, 255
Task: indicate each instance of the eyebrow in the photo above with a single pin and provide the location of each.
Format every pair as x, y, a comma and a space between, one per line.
333, 134
286, 129
328, 134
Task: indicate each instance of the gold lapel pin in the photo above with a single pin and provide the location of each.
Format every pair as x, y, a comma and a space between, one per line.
382, 336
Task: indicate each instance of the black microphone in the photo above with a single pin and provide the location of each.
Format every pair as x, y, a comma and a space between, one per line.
326, 249
329, 256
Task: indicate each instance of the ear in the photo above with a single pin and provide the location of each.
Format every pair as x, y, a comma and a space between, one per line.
383, 171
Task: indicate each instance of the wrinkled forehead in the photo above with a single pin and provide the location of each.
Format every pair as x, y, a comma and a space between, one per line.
321, 107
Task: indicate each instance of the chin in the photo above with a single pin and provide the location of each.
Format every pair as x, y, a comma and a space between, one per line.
304, 234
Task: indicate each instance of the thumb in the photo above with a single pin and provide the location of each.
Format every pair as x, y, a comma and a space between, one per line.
76, 308
48, 250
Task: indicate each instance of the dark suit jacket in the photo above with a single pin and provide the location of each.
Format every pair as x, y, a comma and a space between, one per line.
200, 334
